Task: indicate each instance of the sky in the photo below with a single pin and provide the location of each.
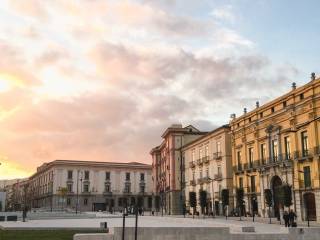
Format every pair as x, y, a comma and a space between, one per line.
101, 80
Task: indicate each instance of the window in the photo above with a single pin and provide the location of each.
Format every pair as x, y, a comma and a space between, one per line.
107, 176
218, 147
219, 170
200, 172
251, 157
263, 152
307, 177
240, 182
272, 110
142, 189
207, 172
120, 202
207, 151
127, 188
250, 119
274, 150
85, 201
284, 104
193, 155
304, 143
107, 188
69, 187
301, 96
68, 201
127, 176
239, 160
85, 187
141, 176
193, 175
200, 153
253, 183
287, 149
69, 174
261, 115
86, 175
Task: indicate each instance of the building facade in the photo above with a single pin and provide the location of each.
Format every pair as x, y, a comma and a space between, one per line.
167, 166
278, 144
87, 186
208, 167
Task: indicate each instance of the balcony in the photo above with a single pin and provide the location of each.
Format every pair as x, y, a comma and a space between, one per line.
205, 160
303, 155
217, 155
107, 193
199, 162
218, 176
191, 164
126, 192
193, 182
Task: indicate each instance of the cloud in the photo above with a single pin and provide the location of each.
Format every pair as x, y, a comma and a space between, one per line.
224, 13
101, 80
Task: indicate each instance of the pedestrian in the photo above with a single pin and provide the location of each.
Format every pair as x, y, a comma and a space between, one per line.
286, 218
292, 217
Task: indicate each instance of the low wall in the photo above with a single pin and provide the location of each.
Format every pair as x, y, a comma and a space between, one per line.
199, 233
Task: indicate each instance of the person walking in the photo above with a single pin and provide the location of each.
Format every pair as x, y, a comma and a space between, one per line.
286, 218
292, 217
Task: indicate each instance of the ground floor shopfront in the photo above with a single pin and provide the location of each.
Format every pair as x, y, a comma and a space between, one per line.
92, 202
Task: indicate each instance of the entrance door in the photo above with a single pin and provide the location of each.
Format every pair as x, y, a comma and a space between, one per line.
276, 189
99, 207
310, 206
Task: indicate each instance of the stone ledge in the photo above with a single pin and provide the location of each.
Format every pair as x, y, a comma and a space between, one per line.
93, 236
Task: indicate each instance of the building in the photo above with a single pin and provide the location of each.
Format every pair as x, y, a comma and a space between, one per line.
95, 186
278, 144
208, 167
2, 201
168, 169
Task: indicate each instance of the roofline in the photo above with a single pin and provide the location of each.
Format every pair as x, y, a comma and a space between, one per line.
278, 99
58, 162
225, 126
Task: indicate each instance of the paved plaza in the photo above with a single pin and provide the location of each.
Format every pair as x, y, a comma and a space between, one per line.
146, 221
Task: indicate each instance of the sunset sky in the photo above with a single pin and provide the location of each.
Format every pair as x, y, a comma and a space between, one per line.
101, 80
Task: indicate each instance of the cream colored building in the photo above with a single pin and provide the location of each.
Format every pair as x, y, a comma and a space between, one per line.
208, 167
168, 168
93, 185
276, 144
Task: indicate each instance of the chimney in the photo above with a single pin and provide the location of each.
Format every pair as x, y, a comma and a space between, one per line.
294, 86
313, 76
245, 110
257, 104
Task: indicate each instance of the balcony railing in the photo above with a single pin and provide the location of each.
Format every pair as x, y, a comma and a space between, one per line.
303, 155
199, 161
218, 176
205, 159
191, 164
217, 155
193, 182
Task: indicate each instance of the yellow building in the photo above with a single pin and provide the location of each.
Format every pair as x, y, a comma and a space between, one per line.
276, 144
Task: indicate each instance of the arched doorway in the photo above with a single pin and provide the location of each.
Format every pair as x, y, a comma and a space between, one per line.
276, 183
310, 206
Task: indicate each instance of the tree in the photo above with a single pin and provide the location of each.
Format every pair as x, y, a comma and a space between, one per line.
193, 201
240, 201
203, 200
286, 195
225, 199
157, 203
268, 200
